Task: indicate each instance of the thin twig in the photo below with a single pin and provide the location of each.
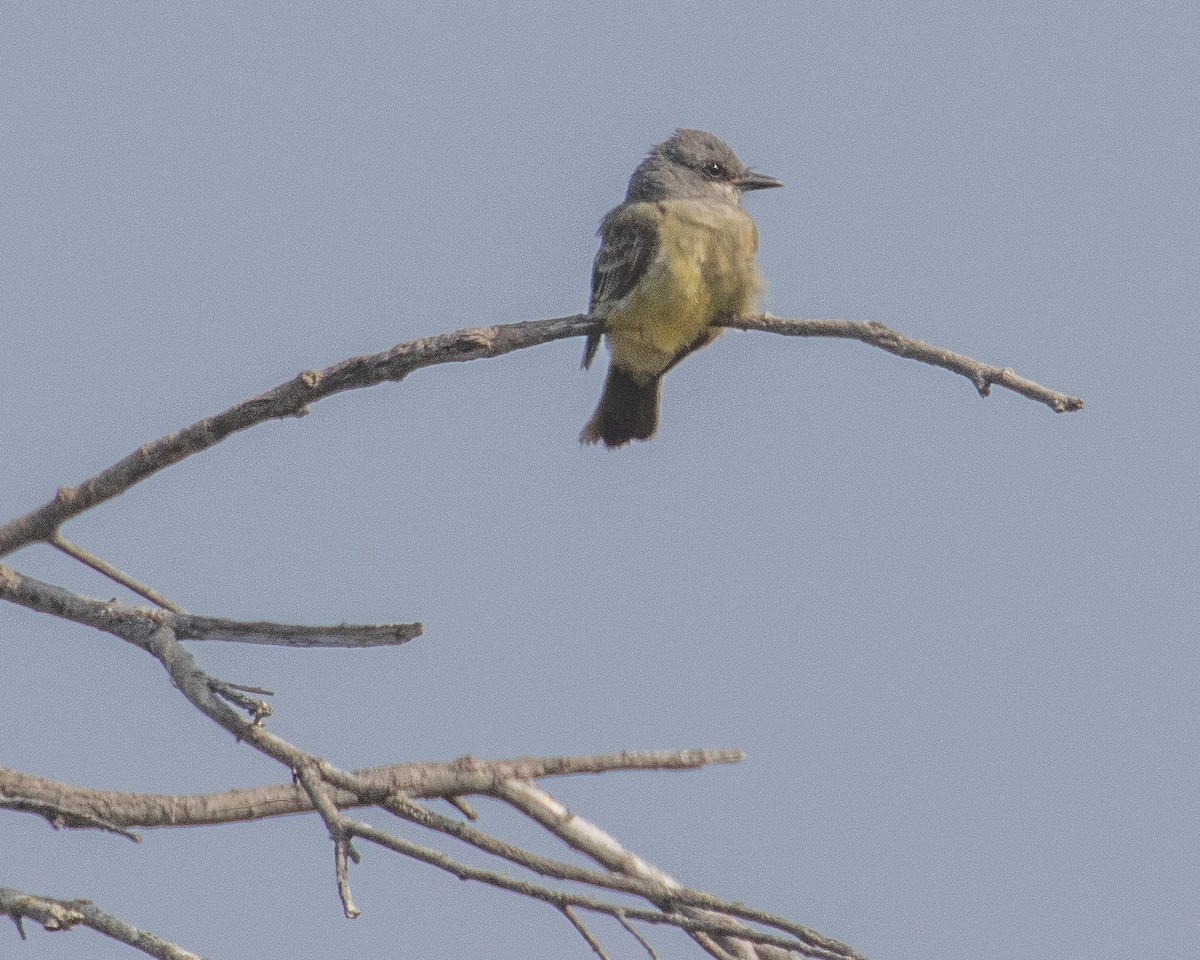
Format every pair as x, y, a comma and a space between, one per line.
343, 850
557, 898
461, 805
584, 932
710, 946
408, 809
593, 842
103, 566
712, 916
247, 688
624, 921
64, 914
259, 710
875, 334
636, 885
58, 815
340, 833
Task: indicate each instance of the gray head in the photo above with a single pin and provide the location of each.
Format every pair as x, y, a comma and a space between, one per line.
694, 165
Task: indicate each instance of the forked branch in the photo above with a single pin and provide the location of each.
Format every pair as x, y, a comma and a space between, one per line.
722, 928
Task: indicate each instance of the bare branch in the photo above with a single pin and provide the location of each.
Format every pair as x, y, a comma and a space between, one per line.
138, 628
56, 915
578, 833
358, 636
326, 785
710, 946
982, 375
247, 688
114, 618
644, 887
58, 816
103, 566
713, 924
590, 840
718, 926
637, 936
409, 810
713, 920
291, 399
148, 630
378, 784
339, 833
585, 933
463, 807
259, 710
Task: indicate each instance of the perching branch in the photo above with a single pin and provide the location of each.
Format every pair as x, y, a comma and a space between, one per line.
984, 376
289, 399
292, 398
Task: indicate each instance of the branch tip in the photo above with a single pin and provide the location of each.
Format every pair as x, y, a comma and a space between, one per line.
624, 921
259, 710
583, 931
463, 807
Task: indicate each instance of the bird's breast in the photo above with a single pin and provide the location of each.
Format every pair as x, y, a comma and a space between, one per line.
704, 269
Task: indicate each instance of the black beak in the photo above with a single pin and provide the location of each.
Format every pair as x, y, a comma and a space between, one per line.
756, 181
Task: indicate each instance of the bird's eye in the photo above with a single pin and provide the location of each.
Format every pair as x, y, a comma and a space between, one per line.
714, 169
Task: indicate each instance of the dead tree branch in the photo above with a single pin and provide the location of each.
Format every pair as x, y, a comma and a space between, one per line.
292, 398
466, 776
983, 375
323, 784
594, 842
58, 815
55, 915
113, 617
722, 928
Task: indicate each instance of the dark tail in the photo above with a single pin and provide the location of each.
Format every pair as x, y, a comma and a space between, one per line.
628, 410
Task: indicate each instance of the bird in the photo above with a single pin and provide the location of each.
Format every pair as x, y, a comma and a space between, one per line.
676, 255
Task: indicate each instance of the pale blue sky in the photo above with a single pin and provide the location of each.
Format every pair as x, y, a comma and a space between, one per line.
956, 637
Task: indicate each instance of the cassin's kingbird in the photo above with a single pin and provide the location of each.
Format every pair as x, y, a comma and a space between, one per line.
675, 255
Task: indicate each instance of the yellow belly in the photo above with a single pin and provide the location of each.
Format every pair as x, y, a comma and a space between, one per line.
704, 269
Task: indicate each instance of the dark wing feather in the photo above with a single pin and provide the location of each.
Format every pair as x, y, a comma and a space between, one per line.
628, 244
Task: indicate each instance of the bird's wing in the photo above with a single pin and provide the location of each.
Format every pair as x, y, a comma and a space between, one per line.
628, 244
